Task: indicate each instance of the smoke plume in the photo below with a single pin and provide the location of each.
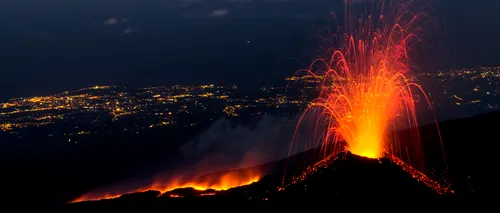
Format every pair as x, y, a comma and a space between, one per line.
224, 146
227, 145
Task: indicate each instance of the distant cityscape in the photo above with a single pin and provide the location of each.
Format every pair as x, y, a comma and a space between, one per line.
153, 107
479, 87
191, 105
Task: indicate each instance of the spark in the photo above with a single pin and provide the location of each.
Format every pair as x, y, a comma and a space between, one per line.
367, 89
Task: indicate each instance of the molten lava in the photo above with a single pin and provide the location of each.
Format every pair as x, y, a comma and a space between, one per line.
366, 84
216, 181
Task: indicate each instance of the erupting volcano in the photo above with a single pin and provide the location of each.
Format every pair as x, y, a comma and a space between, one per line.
367, 91
367, 88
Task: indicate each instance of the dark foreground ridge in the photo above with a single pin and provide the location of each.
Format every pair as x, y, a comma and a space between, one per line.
337, 179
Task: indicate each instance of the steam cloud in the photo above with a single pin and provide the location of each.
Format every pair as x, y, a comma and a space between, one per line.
226, 145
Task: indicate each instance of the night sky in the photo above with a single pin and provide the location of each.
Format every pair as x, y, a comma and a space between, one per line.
48, 46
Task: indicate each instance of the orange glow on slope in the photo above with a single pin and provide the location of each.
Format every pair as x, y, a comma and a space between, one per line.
218, 182
366, 83
100, 197
223, 182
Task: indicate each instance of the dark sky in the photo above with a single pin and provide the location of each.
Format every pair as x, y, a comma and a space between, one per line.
49, 46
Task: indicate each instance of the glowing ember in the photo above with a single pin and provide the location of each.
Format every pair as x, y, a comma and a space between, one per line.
366, 83
438, 187
217, 182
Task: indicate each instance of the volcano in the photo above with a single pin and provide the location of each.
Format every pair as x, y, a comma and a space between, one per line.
349, 178
346, 177
336, 179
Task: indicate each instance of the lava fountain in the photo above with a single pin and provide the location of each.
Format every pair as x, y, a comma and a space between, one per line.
366, 85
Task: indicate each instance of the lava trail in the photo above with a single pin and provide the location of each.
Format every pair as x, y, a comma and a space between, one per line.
214, 181
222, 157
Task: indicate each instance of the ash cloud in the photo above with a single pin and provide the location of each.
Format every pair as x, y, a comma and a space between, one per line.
227, 145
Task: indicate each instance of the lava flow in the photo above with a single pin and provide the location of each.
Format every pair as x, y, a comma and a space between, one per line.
366, 84
216, 181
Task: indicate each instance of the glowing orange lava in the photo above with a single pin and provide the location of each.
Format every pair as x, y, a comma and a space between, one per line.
366, 84
218, 182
